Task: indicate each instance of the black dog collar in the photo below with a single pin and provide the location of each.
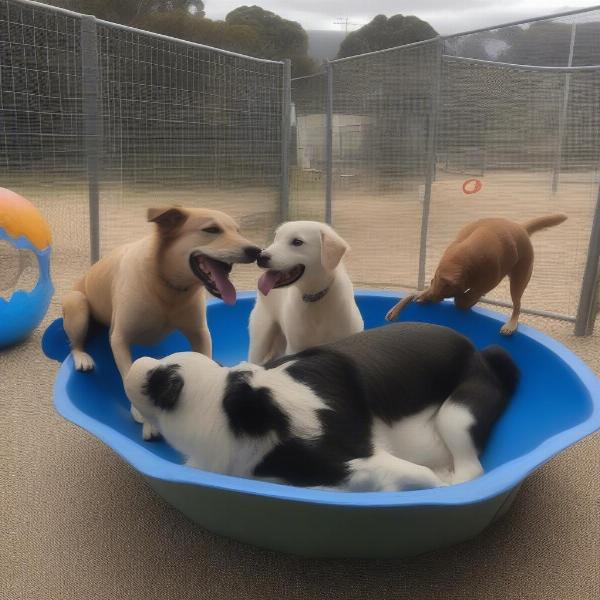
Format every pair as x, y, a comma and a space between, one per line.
315, 297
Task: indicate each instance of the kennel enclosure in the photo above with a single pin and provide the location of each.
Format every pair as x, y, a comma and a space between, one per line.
99, 121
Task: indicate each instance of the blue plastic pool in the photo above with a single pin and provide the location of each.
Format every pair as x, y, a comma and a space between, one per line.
557, 404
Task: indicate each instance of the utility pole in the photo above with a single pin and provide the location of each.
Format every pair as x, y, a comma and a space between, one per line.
345, 22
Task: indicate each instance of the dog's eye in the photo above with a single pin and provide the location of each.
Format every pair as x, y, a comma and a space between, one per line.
212, 230
297, 242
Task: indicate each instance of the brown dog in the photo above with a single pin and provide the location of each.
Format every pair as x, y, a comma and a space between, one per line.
483, 253
149, 288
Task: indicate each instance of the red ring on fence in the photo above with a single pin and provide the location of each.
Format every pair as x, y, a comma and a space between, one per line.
467, 189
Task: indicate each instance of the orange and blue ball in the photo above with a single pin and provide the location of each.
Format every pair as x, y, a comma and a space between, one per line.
24, 228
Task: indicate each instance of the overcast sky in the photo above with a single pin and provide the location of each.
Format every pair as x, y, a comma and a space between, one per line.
446, 16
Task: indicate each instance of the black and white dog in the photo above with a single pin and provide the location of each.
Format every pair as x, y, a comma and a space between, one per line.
407, 405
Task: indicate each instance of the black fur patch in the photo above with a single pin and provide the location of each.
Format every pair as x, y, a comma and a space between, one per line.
346, 423
303, 463
398, 369
503, 367
486, 389
163, 386
252, 411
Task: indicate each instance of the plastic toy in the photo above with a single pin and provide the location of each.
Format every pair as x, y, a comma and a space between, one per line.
23, 231
472, 186
557, 403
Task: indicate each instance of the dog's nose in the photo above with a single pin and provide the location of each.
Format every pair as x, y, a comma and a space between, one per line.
252, 252
263, 259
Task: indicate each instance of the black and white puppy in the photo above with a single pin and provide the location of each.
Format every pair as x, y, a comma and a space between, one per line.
407, 405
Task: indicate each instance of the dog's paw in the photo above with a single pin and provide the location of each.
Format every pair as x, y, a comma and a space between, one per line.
418, 479
137, 415
82, 360
508, 329
467, 472
392, 315
150, 433
445, 475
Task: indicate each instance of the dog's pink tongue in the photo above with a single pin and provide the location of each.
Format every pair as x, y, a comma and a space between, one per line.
267, 281
222, 282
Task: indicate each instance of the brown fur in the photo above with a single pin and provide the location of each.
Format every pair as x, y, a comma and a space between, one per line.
146, 289
483, 253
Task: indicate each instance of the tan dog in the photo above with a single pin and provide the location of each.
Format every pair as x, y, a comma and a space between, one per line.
149, 288
483, 253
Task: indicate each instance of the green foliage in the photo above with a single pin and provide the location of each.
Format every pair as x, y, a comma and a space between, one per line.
247, 29
179, 24
383, 33
279, 37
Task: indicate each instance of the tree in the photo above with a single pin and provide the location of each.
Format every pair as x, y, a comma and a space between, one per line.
247, 29
383, 33
279, 38
182, 25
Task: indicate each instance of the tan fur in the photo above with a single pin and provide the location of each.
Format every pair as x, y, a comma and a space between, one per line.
483, 253
146, 289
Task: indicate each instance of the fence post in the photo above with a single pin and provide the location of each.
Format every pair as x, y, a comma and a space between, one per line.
431, 159
92, 125
562, 118
586, 311
329, 142
286, 140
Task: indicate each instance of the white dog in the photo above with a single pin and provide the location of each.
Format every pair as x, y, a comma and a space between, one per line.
407, 405
306, 297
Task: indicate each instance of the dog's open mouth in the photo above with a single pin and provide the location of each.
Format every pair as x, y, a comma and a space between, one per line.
276, 279
214, 274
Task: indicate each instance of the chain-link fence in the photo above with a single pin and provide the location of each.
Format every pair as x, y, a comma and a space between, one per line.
100, 121
402, 131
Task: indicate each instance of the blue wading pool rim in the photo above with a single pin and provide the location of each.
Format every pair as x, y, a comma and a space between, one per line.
502, 479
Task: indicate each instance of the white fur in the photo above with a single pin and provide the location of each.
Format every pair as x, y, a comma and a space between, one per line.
416, 439
384, 472
282, 322
454, 421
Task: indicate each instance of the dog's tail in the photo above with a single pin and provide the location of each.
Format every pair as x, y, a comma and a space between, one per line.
544, 222
503, 367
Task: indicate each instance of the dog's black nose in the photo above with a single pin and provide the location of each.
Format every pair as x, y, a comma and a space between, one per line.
263, 259
252, 252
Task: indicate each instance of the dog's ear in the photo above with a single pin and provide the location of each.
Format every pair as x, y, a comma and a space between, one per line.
333, 248
163, 386
168, 219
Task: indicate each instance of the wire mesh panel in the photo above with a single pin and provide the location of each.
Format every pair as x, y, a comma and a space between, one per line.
41, 149
308, 148
187, 125
501, 125
383, 106
503, 107
541, 42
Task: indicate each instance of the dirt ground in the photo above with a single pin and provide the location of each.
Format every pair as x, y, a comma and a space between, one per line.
383, 228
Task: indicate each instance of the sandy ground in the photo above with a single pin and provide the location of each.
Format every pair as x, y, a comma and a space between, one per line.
382, 228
